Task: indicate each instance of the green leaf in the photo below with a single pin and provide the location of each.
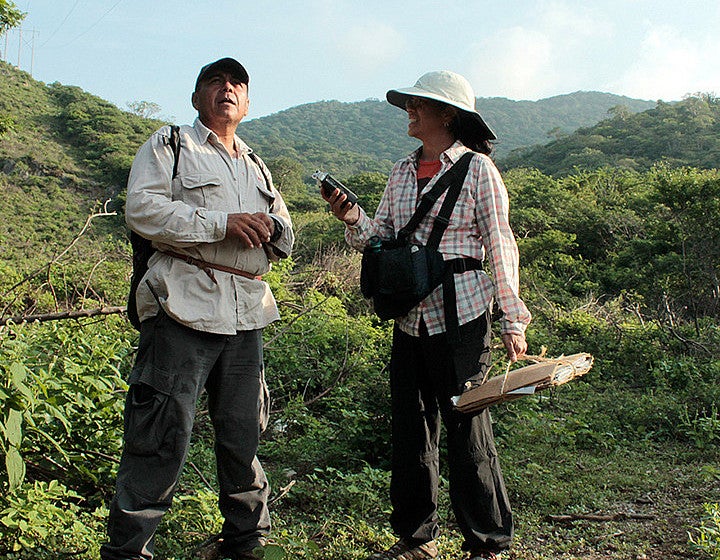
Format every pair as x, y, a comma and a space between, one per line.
13, 427
273, 552
15, 468
18, 373
54, 442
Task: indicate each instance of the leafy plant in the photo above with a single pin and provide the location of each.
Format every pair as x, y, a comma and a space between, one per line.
707, 538
41, 520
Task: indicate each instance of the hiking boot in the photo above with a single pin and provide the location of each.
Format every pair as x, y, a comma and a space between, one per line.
407, 550
483, 555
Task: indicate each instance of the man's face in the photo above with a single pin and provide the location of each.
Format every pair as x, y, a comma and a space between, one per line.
221, 100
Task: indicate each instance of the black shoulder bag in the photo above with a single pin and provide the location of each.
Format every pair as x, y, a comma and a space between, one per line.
398, 274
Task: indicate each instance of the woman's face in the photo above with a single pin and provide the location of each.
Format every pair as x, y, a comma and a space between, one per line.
428, 118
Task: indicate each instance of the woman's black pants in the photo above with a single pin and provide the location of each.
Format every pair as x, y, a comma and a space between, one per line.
425, 372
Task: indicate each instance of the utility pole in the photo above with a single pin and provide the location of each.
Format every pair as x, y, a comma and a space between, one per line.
32, 50
21, 44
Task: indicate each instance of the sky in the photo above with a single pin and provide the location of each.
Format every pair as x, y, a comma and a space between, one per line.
304, 51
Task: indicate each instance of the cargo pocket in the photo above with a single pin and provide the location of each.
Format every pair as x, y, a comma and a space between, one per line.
150, 423
200, 190
147, 426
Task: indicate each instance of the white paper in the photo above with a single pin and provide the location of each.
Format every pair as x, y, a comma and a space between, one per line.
523, 391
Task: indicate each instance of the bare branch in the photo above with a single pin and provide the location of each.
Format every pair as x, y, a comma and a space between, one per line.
104, 212
620, 516
43, 317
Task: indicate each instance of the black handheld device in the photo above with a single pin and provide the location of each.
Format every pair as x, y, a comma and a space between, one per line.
328, 184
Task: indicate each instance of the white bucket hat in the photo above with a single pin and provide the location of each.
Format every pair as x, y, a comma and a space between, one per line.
446, 87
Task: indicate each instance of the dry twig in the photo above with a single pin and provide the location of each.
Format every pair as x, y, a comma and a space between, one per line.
620, 516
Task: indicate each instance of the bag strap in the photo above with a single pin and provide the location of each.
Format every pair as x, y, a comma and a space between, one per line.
442, 220
256, 159
453, 177
174, 142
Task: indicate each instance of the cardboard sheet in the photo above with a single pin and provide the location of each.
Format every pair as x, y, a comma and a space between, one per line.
526, 380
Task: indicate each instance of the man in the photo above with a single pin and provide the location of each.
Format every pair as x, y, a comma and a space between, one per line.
216, 225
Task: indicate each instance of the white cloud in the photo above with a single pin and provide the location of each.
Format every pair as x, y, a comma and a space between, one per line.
670, 65
369, 47
572, 22
547, 55
515, 63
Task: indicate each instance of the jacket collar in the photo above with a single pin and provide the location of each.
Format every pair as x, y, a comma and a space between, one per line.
204, 134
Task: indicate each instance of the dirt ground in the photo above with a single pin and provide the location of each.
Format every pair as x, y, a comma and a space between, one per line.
656, 527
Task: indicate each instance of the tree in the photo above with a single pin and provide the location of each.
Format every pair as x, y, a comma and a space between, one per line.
10, 16
144, 109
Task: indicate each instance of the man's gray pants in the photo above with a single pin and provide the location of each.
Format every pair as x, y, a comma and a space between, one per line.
174, 364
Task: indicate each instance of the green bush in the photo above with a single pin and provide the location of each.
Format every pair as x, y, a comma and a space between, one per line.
61, 391
707, 537
40, 521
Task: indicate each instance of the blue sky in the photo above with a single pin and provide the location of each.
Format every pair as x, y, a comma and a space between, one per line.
304, 51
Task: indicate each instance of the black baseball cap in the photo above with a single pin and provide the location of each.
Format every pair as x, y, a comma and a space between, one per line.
229, 65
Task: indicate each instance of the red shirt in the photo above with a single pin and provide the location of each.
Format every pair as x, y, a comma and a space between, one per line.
426, 171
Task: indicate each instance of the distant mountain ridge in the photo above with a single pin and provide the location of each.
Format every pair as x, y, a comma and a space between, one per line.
369, 135
685, 133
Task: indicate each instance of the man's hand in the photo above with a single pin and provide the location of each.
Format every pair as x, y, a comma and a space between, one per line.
515, 345
348, 214
251, 229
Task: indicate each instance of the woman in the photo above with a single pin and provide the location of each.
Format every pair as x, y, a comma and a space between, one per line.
428, 366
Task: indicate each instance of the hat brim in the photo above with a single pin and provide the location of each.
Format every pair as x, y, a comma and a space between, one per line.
399, 97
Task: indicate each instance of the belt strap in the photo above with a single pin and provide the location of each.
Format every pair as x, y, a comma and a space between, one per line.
456, 266
209, 267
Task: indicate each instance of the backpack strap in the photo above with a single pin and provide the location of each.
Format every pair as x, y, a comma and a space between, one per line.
174, 142
257, 161
442, 220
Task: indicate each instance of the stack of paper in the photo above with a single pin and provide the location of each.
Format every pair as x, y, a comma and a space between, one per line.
524, 381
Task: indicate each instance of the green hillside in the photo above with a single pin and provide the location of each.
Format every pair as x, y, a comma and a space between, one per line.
619, 262
683, 133
63, 154
349, 138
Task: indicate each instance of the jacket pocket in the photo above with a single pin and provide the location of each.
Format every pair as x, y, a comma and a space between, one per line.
198, 189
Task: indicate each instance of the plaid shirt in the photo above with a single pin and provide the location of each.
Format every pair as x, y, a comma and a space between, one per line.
478, 227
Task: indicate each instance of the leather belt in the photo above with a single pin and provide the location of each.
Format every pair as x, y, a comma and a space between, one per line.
209, 267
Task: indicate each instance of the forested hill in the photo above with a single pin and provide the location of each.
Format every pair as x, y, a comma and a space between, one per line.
684, 133
369, 135
620, 264
47, 124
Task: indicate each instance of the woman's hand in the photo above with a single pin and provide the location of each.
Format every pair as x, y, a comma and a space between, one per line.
347, 213
515, 345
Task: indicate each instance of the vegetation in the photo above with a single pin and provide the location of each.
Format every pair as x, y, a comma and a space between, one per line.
616, 261
680, 134
352, 138
10, 16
